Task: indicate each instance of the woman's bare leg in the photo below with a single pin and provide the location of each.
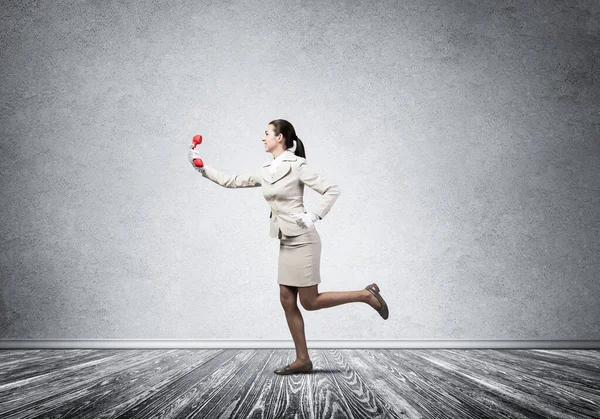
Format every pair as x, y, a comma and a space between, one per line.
288, 297
312, 300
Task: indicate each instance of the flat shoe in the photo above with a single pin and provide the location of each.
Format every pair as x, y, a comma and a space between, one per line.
383, 310
306, 368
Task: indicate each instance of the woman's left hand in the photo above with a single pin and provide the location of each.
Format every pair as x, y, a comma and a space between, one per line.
306, 219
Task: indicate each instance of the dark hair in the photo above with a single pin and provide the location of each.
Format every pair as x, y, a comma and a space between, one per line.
289, 133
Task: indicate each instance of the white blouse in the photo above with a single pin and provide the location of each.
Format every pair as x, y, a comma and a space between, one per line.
276, 162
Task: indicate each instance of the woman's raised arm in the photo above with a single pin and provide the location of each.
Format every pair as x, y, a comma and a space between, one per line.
247, 180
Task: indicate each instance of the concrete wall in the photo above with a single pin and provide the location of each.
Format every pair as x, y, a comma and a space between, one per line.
464, 137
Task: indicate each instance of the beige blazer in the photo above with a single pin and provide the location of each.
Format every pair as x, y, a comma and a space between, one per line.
283, 190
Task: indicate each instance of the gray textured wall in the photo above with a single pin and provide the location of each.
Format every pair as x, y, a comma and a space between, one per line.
463, 135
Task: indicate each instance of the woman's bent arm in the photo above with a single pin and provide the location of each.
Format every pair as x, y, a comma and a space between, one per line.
329, 191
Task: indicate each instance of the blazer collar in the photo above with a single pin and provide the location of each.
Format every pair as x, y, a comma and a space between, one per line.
287, 156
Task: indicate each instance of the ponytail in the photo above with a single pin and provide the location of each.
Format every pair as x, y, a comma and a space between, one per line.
299, 151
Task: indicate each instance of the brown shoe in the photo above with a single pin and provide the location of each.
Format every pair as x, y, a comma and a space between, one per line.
383, 310
306, 368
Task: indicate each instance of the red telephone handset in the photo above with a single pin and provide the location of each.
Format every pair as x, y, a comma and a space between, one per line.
197, 140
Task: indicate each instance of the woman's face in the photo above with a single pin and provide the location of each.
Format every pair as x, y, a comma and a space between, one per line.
270, 140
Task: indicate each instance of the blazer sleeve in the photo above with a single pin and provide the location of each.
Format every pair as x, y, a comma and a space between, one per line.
247, 180
329, 191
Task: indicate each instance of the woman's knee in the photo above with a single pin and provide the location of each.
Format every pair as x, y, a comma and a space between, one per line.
309, 304
308, 297
288, 297
288, 303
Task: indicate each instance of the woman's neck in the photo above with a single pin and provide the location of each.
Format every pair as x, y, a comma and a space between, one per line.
277, 154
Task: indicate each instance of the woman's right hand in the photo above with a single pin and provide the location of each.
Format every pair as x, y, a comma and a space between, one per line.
193, 154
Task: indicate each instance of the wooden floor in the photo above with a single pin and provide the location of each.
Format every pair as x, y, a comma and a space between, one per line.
346, 383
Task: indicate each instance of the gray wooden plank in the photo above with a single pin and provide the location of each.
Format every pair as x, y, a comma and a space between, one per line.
518, 397
587, 359
236, 383
233, 403
431, 394
293, 396
477, 390
389, 382
200, 381
111, 394
269, 397
49, 388
329, 402
264, 398
357, 389
560, 365
528, 378
22, 364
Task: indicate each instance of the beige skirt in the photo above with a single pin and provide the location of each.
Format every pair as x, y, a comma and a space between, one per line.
300, 259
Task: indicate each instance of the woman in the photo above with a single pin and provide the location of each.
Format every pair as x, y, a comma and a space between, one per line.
282, 181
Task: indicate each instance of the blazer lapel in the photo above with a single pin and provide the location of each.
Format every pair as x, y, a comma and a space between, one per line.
283, 169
